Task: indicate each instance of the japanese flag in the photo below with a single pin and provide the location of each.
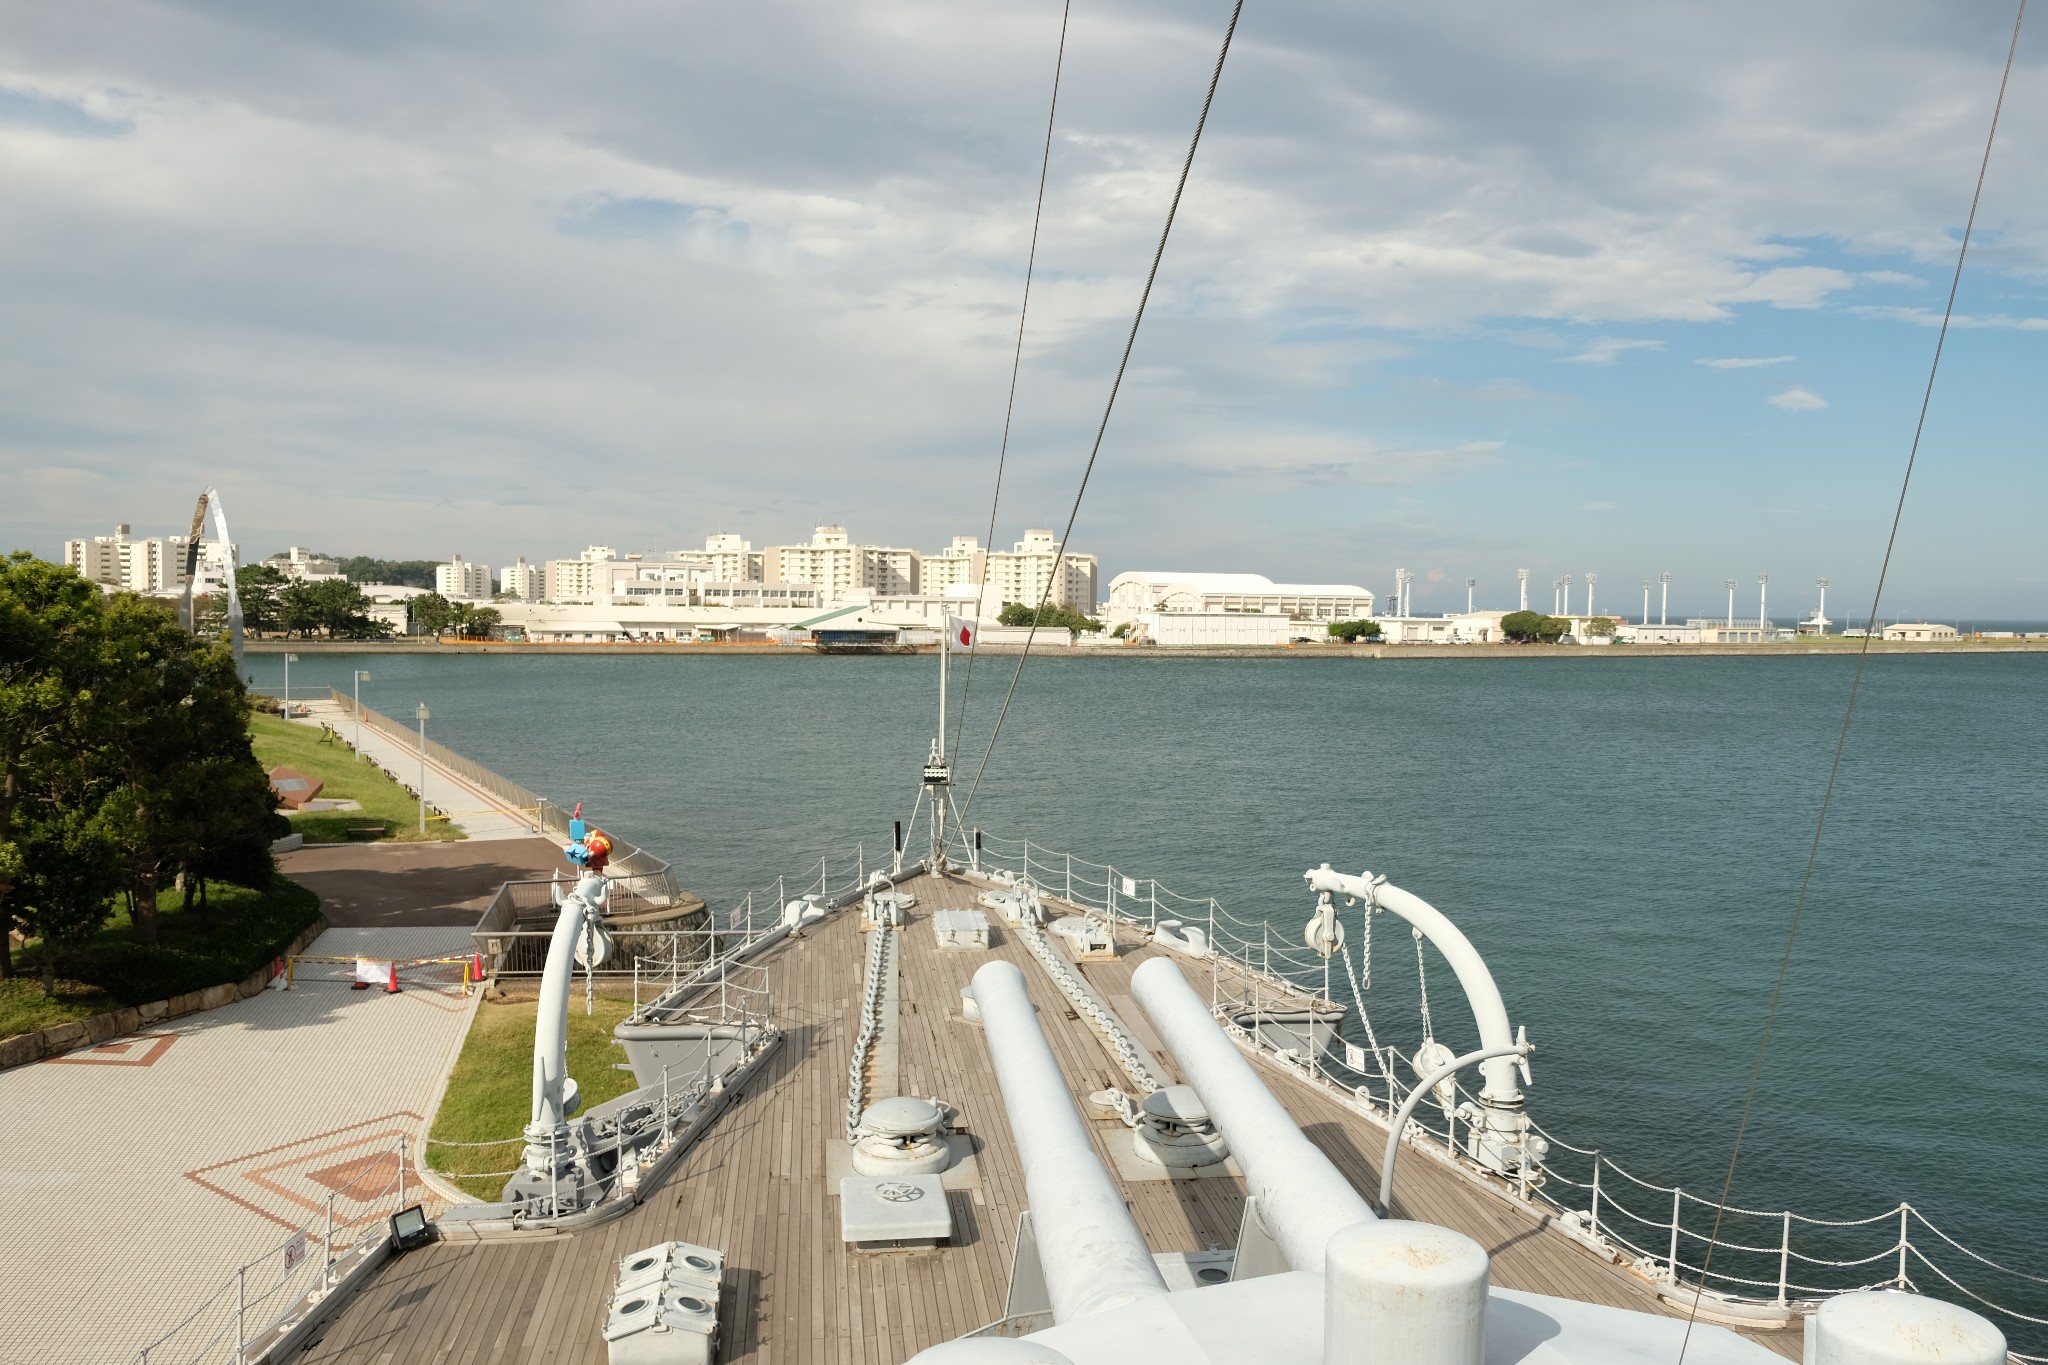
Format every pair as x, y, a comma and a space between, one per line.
961, 634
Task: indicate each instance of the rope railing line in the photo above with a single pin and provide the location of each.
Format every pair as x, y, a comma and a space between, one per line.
1922, 1220
1963, 1288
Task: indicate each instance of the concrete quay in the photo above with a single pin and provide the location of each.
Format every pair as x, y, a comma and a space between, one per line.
1836, 647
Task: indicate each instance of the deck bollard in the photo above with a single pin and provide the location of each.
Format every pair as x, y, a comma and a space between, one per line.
1400, 1293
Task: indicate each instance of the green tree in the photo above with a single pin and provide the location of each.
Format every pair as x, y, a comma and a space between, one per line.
1601, 627
1350, 631
67, 882
50, 626
1527, 626
412, 573
430, 613
261, 588
1049, 617
472, 622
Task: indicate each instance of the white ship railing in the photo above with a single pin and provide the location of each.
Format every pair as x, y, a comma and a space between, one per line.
1766, 1263
258, 1301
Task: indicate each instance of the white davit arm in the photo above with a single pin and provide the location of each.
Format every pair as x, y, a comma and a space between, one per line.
1302, 1197
1488, 1009
1095, 1258
551, 1028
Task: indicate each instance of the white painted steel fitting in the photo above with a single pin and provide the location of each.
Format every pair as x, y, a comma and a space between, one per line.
989, 1351
1888, 1327
1400, 1293
1095, 1258
1304, 1199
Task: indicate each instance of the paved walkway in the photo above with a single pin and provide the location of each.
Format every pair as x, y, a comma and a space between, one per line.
393, 884
139, 1174
470, 808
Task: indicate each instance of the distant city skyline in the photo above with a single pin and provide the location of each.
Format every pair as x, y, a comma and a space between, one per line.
1616, 288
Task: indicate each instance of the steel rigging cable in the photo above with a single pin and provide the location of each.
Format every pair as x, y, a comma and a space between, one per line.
1016, 361
1849, 711
1060, 556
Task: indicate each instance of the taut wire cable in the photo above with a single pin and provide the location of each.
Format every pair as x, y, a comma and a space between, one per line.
1855, 685
1066, 536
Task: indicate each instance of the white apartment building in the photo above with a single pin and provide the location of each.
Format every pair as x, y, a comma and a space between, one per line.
1140, 591
841, 568
960, 564
152, 565
523, 582
1020, 574
580, 579
461, 581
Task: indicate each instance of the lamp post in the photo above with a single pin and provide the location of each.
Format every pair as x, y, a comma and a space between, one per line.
1664, 600
289, 660
361, 678
421, 714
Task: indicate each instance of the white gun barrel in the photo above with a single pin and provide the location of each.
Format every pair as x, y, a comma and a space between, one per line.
1094, 1256
1302, 1197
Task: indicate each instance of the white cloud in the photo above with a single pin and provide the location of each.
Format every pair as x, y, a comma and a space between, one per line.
1930, 317
1740, 362
1892, 277
1797, 399
1607, 349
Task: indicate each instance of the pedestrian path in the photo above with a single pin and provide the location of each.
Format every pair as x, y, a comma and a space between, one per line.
139, 1174
476, 812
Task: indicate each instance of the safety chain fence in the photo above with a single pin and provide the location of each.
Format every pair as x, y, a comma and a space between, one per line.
265, 1296
744, 1003
1765, 1263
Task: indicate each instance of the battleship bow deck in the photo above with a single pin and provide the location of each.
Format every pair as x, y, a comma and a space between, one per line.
759, 1187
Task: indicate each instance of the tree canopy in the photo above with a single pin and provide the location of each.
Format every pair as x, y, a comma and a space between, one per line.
412, 573
1350, 631
1528, 626
124, 760
1048, 617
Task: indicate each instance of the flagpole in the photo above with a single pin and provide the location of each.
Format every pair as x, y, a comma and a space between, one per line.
945, 648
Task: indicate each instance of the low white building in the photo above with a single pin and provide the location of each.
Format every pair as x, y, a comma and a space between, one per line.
303, 566
1733, 631
1451, 628
1134, 594
1219, 628
1920, 630
1629, 634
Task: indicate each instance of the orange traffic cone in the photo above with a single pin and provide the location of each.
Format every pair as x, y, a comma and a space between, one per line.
392, 988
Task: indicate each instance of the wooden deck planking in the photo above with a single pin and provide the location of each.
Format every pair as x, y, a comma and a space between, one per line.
756, 1187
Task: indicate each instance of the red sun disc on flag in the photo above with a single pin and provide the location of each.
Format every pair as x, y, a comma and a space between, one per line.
966, 638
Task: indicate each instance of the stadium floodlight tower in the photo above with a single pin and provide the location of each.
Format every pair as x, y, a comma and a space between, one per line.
1565, 595
1591, 579
1470, 584
1763, 589
1731, 600
1646, 601
1664, 600
1523, 574
1820, 613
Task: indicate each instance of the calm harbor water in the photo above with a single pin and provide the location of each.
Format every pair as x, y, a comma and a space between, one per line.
1622, 839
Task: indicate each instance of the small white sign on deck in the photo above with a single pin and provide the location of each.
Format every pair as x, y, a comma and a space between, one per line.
294, 1252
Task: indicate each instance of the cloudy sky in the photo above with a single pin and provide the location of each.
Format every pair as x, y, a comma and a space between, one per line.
1616, 288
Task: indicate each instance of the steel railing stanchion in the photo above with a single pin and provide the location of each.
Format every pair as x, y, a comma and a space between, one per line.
1784, 1256
1676, 1195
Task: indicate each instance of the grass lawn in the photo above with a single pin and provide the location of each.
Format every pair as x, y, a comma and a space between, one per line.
490, 1094
239, 932
284, 743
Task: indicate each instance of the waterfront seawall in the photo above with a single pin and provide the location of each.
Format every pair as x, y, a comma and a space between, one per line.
1374, 652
